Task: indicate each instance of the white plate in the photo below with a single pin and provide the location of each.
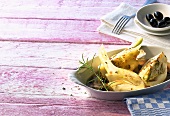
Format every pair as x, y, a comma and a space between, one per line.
83, 76
150, 9
160, 33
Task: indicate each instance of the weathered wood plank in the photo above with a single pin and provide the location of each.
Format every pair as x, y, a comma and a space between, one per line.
62, 9
47, 55
64, 3
65, 106
71, 31
38, 81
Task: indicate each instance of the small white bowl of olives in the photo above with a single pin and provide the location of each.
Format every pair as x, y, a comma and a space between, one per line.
154, 17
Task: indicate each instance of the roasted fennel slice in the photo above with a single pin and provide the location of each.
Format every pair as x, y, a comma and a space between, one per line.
127, 58
122, 85
117, 75
154, 70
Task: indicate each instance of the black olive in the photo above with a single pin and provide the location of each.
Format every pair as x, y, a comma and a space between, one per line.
162, 23
167, 19
149, 17
153, 22
158, 15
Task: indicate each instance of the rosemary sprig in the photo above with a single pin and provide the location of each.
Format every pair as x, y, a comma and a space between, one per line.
85, 64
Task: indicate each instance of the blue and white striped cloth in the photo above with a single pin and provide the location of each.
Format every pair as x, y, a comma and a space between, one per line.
157, 104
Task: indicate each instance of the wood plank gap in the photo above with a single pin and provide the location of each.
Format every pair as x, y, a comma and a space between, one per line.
56, 41
34, 18
39, 67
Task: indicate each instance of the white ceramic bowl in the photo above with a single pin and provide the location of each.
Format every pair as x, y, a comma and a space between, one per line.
150, 9
82, 77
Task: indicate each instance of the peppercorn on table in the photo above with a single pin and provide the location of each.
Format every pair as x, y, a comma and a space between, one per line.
41, 42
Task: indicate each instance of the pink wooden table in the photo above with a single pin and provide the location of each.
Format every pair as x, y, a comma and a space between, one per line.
41, 41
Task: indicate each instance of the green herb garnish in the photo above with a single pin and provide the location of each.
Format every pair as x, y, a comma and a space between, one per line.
85, 64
